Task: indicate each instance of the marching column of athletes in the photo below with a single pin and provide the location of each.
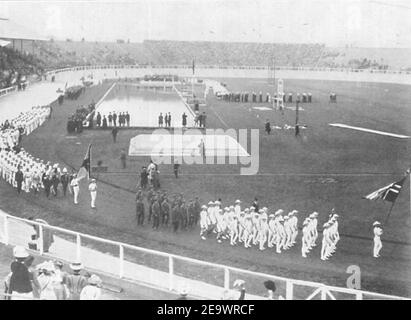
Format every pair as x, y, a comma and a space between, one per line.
257, 227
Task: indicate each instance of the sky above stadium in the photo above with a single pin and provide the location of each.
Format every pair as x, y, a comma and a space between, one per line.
364, 23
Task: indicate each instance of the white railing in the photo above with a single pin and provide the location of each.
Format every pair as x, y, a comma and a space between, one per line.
8, 90
264, 67
165, 270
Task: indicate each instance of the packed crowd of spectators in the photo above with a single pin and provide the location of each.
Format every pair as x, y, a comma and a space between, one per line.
15, 66
60, 54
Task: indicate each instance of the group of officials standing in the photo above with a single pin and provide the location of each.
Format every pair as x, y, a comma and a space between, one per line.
255, 97
122, 119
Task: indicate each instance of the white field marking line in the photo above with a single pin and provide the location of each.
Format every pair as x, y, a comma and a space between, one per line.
105, 95
275, 174
340, 125
185, 103
218, 116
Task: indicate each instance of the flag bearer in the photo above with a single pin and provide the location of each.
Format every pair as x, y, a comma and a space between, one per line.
76, 188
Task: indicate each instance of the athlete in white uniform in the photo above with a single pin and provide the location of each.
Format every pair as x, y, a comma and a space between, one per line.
377, 239
248, 230
271, 231
203, 222
326, 242
280, 233
211, 217
241, 225
313, 229
263, 232
220, 224
334, 234
293, 220
256, 226
233, 226
288, 232
237, 207
305, 240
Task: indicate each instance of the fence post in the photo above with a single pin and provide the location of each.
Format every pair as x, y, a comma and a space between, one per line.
121, 256
170, 272
323, 293
226, 278
289, 288
41, 239
6, 230
78, 247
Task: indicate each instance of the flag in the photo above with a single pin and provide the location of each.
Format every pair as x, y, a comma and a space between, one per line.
85, 166
194, 66
388, 193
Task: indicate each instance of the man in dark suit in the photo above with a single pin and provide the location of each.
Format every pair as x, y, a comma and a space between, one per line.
140, 211
19, 177
114, 133
114, 119
143, 178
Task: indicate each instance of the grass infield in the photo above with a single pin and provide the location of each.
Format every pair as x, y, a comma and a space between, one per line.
325, 168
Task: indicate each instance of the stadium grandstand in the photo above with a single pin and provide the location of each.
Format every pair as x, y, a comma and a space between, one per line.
17, 54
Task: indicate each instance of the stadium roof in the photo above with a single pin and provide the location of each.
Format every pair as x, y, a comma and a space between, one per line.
12, 30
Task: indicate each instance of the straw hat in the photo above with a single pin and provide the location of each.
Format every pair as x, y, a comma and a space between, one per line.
76, 265
376, 223
238, 283
94, 280
20, 252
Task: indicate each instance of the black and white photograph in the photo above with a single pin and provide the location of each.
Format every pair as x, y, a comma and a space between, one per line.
206, 151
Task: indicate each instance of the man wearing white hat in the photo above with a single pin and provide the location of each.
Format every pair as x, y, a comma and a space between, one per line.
263, 232
203, 222
272, 233
288, 232
237, 207
76, 188
93, 192
293, 220
241, 226
248, 230
313, 229
211, 216
305, 240
281, 236
326, 243
20, 285
92, 290
377, 238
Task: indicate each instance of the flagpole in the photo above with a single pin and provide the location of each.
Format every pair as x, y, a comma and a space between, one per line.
89, 169
409, 176
389, 213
